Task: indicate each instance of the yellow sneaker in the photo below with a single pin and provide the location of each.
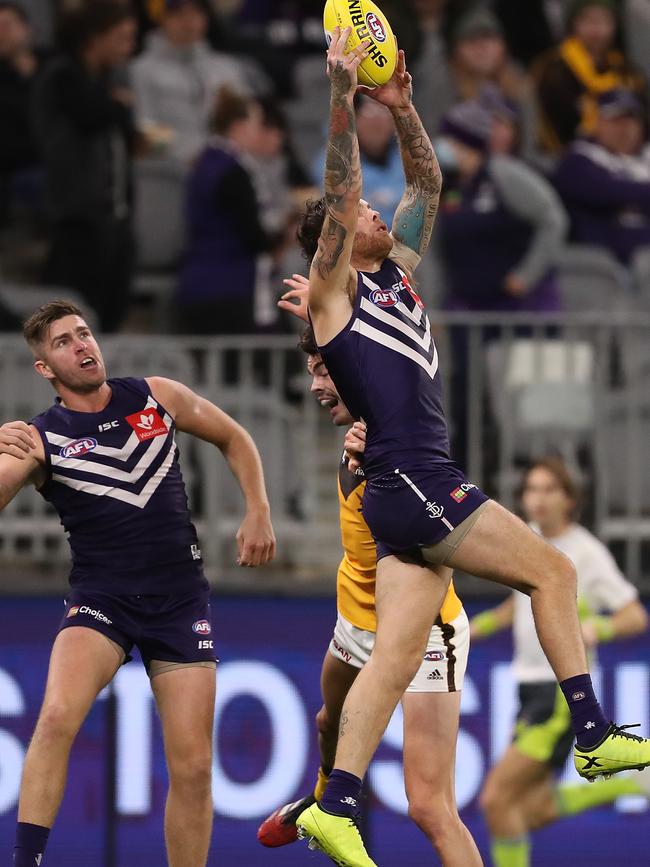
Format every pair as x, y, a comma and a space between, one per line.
336, 836
618, 751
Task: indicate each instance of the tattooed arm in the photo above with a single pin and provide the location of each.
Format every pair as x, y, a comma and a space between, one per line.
416, 213
330, 275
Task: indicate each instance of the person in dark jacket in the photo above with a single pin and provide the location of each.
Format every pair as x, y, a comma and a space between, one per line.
85, 132
500, 225
19, 65
226, 235
604, 181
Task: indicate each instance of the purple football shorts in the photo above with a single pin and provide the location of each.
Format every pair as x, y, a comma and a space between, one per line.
165, 628
408, 511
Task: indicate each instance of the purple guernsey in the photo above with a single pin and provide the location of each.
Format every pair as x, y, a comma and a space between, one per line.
385, 367
114, 479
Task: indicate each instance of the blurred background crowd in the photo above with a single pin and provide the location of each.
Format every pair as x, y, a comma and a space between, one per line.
154, 154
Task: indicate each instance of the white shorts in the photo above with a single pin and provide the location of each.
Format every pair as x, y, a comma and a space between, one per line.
445, 659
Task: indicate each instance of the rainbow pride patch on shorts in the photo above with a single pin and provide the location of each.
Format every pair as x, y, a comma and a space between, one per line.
459, 494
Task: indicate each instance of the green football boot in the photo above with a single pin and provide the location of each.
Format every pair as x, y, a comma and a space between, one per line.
617, 751
336, 836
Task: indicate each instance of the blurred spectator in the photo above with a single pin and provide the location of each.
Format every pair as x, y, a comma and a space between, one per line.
605, 181
19, 64
84, 128
282, 188
636, 28
479, 57
177, 77
381, 164
533, 27
500, 225
505, 133
431, 70
571, 76
226, 235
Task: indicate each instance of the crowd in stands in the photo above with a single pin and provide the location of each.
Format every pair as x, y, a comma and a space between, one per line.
538, 111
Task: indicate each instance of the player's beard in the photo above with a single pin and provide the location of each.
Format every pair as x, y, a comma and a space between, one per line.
80, 384
376, 246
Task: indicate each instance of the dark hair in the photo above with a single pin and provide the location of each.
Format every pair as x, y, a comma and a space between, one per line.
36, 327
16, 8
229, 107
308, 342
562, 475
81, 24
310, 225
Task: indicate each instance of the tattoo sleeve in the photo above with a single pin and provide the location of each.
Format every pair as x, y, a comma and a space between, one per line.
342, 176
416, 213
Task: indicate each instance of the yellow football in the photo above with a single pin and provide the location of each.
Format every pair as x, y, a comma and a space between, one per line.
367, 22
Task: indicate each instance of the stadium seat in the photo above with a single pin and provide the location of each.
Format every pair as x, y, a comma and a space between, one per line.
640, 267
541, 393
159, 232
591, 279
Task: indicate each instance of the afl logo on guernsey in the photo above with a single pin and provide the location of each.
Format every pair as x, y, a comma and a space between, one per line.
202, 627
375, 27
384, 297
78, 447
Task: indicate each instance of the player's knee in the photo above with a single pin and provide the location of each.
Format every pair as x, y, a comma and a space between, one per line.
560, 575
326, 724
491, 800
191, 772
435, 817
57, 723
398, 664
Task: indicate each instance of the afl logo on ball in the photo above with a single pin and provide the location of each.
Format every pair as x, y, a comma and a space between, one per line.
202, 627
78, 447
375, 27
384, 297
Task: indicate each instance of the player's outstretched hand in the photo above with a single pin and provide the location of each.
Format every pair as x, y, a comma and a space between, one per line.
255, 539
296, 300
16, 439
342, 67
398, 91
355, 444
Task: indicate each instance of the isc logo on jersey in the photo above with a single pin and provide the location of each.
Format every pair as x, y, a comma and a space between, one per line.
384, 297
78, 447
147, 424
202, 627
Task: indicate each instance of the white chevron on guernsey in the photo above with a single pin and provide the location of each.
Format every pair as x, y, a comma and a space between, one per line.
98, 469
139, 500
414, 315
422, 340
121, 454
430, 367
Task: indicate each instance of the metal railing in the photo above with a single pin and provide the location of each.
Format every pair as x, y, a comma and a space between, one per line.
515, 387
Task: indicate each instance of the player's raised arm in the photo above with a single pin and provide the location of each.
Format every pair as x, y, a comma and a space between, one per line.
197, 416
21, 459
330, 274
416, 212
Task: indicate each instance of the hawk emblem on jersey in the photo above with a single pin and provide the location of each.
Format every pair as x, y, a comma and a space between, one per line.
147, 424
384, 297
78, 447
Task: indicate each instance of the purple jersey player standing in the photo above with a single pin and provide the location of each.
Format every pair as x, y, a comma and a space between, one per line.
105, 456
427, 519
